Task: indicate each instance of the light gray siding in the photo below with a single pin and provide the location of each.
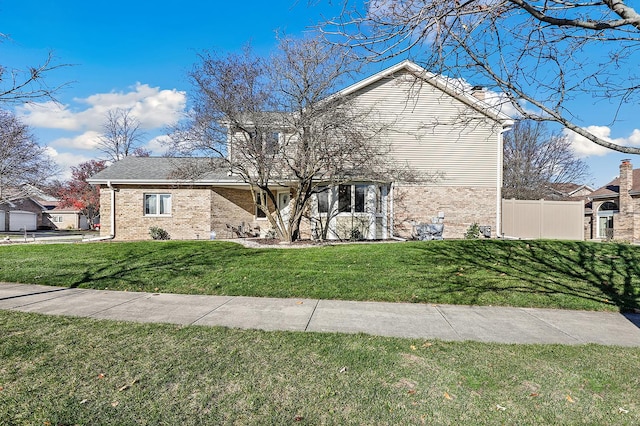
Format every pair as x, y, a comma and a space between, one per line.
434, 132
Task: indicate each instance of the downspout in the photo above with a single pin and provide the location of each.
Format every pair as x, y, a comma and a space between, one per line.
113, 217
506, 126
392, 211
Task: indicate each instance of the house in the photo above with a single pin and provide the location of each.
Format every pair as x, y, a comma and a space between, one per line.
22, 208
615, 206
30, 208
569, 191
434, 127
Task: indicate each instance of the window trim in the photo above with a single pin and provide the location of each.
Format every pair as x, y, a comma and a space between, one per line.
158, 204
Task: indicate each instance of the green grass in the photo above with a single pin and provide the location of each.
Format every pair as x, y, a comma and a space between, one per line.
553, 274
63, 371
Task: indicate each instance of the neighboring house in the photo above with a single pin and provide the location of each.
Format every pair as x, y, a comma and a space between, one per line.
30, 208
60, 218
434, 128
615, 207
21, 211
569, 191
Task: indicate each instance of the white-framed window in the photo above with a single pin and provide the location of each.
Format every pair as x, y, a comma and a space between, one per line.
352, 198
56, 219
323, 199
157, 204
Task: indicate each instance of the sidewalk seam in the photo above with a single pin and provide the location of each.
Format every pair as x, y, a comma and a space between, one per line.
306, 327
142, 295
444, 317
214, 309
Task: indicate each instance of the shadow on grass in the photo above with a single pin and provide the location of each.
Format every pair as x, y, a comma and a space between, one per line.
599, 273
145, 266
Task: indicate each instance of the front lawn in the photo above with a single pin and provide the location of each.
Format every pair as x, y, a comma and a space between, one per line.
553, 274
67, 371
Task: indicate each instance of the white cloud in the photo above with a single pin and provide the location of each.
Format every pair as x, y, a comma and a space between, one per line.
154, 108
585, 148
86, 141
157, 145
66, 160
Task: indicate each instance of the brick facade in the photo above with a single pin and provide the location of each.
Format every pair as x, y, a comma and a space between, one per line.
462, 206
195, 212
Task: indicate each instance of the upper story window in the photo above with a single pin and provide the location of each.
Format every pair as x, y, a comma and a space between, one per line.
157, 204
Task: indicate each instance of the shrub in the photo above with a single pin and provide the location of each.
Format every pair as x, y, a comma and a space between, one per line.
158, 233
473, 232
356, 235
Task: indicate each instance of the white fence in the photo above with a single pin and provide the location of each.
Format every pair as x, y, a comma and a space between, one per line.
560, 220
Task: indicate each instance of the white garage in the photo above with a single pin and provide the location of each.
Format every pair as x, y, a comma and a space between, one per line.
22, 220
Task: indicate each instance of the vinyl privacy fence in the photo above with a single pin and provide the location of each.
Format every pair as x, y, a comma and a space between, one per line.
561, 220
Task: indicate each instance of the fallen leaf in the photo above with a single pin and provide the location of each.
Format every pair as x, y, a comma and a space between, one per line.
569, 398
534, 394
411, 392
84, 401
622, 410
101, 376
299, 303
427, 344
298, 418
413, 348
128, 385
343, 370
115, 403
447, 396
500, 407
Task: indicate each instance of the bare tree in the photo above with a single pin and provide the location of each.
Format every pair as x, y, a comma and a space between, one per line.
535, 159
121, 135
28, 84
22, 160
538, 55
288, 132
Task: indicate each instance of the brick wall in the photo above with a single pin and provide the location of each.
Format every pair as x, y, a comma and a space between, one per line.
461, 205
195, 212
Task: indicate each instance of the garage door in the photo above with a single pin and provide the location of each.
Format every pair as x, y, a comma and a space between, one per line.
3, 214
20, 220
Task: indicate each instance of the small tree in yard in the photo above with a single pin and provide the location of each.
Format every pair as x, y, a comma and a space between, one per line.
287, 130
79, 194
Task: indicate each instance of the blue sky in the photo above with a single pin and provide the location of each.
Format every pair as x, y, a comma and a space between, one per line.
136, 54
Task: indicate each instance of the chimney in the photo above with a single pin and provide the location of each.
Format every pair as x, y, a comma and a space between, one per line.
478, 92
626, 183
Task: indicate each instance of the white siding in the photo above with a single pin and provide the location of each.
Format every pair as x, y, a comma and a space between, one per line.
434, 132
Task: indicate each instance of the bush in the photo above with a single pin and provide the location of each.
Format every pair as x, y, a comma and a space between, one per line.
473, 232
356, 235
158, 233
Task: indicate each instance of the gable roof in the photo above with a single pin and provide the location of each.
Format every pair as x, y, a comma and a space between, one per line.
165, 171
449, 86
612, 189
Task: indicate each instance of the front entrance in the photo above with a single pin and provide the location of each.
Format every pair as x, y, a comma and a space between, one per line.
605, 220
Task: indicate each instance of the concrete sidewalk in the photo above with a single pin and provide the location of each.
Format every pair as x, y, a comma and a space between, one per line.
425, 321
